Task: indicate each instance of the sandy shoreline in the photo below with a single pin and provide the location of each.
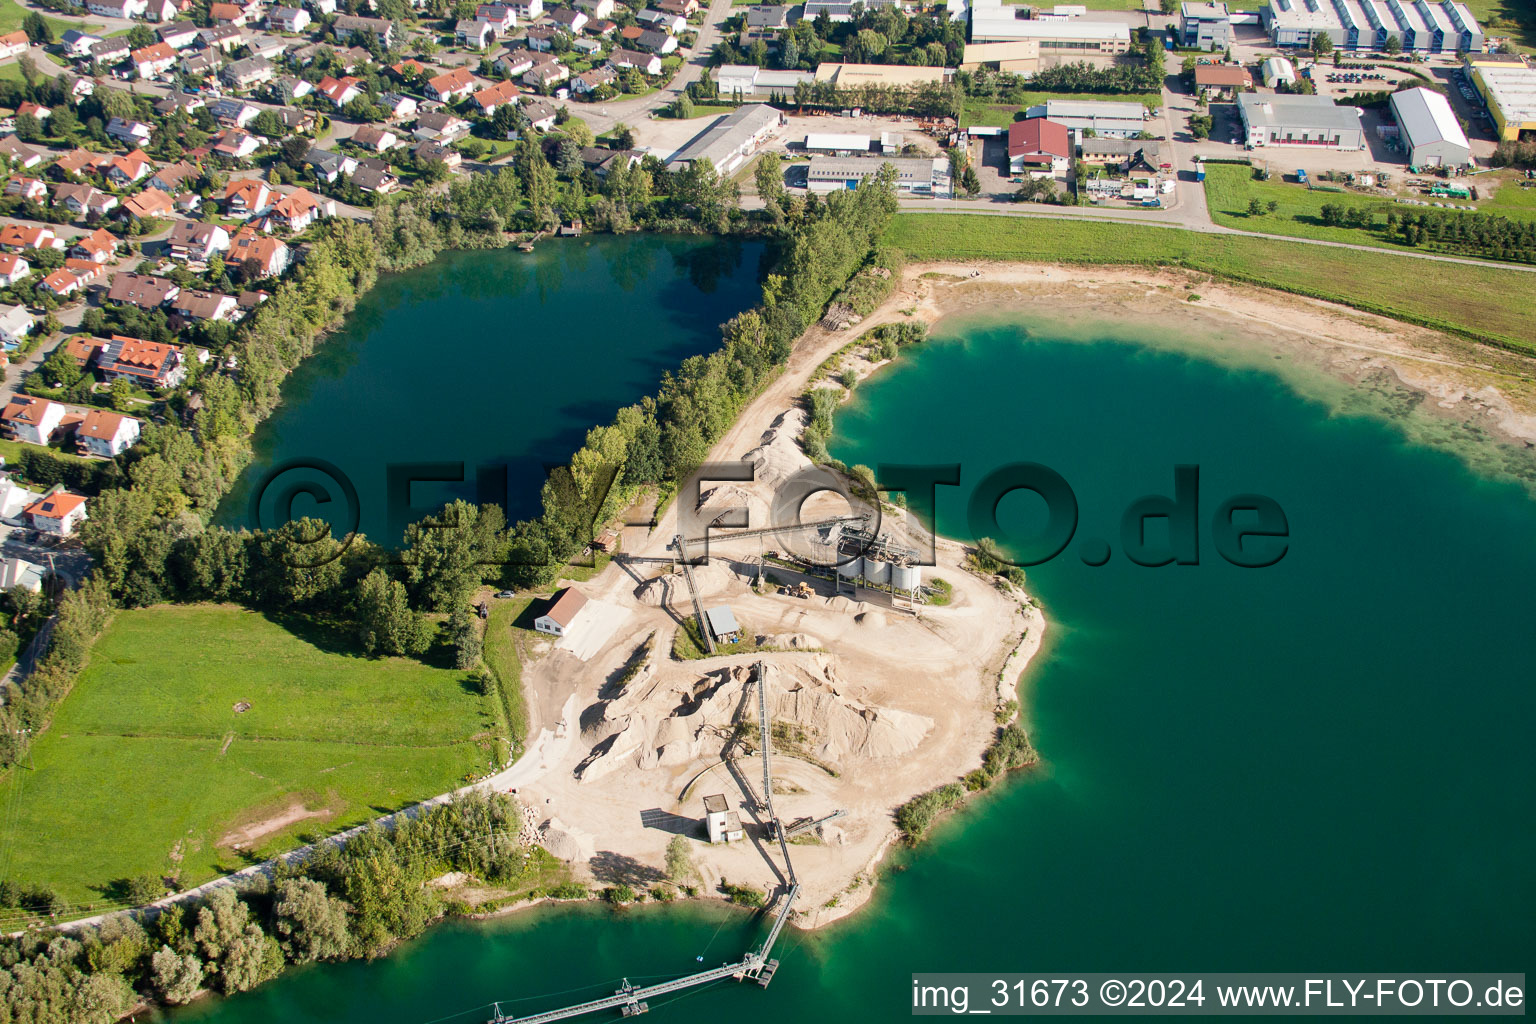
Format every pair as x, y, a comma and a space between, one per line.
1318, 347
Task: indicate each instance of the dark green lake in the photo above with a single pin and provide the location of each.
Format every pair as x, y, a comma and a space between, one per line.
498, 360
1322, 765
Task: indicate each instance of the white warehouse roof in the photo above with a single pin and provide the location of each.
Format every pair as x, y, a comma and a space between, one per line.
835, 142
1425, 117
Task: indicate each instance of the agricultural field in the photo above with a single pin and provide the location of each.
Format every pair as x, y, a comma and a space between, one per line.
203, 737
1488, 303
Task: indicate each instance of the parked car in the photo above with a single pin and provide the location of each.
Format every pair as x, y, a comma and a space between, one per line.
504, 594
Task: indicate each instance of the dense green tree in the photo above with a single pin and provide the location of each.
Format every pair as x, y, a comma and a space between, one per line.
177, 977
310, 923
385, 622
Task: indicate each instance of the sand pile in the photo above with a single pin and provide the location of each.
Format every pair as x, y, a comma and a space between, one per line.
670, 590
683, 722
778, 456
789, 641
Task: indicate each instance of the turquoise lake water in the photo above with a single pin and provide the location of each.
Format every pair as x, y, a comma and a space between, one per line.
1322, 765
495, 359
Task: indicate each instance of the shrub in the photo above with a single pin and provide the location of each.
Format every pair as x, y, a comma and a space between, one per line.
916, 815
744, 895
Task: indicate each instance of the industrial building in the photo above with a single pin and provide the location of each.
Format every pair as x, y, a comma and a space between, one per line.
1292, 120
836, 143
915, 176
1430, 132
722, 823
1205, 26
992, 21
1510, 93
1278, 71
748, 81
1421, 26
1021, 56
561, 615
730, 140
1103, 118
846, 76
1039, 145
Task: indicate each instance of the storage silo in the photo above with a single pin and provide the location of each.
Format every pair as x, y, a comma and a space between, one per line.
876, 572
906, 577
851, 569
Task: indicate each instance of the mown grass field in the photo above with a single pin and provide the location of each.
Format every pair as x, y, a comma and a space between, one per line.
1001, 115
1513, 18
11, 14
147, 765
1487, 303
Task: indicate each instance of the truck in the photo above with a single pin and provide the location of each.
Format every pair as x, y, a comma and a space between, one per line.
1199, 170
1301, 175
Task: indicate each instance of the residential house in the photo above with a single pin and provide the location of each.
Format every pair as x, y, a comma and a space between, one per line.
233, 113
687, 8
17, 237
57, 513
661, 21
178, 35
340, 91
77, 43
202, 305
234, 144
161, 10
542, 37
1222, 79
288, 19
526, 10
15, 324
153, 60
329, 165
298, 210
223, 38
516, 61
540, 114
106, 434
287, 88
300, 121
117, 8
130, 132
601, 161
593, 80
83, 200
381, 29
147, 363
178, 102
201, 66
172, 177
248, 73
111, 50
266, 256
31, 109
1039, 145
657, 41
375, 179
400, 106
597, 8
98, 247
451, 86
14, 44
648, 63
474, 34
196, 240
227, 14
19, 153
131, 167
441, 126
82, 88
601, 28
74, 276
324, 7
142, 290
493, 96
375, 139
499, 16
546, 76
570, 19
32, 420
247, 198
589, 47
149, 203
18, 572
13, 268
428, 151
26, 188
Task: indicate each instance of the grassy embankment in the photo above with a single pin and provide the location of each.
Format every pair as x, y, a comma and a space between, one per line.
1485, 303
149, 768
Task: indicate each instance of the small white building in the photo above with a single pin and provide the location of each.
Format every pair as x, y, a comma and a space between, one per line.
723, 823
1278, 70
18, 572
722, 624
57, 513
14, 499
107, 434
560, 616
15, 324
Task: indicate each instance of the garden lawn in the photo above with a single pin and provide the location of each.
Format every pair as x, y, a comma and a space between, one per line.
148, 765
11, 14
1488, 303
1001, 115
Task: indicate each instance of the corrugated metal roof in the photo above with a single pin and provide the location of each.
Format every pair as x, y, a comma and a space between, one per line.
1425, 116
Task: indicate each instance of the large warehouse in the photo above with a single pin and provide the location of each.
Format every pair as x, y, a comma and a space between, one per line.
1106, 119
992, 21
730, 139
916, 176
1285, 120
1421, 26
1510, 93
1431, 134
